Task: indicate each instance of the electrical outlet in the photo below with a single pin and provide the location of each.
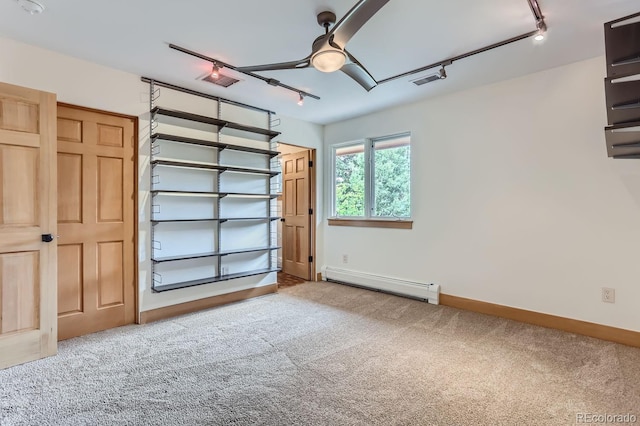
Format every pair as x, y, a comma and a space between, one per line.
345, 258
608, 295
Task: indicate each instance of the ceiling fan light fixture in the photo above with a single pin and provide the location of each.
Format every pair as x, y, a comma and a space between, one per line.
328, 60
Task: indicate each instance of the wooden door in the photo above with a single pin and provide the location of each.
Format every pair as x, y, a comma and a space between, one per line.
296, 200
96, 269
28, 326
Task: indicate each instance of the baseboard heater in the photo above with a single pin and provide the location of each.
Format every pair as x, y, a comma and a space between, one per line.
427, 292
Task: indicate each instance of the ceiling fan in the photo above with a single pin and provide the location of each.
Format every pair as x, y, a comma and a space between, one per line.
328, 53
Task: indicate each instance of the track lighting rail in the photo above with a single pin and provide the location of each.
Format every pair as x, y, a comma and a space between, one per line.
218, 63
541, 26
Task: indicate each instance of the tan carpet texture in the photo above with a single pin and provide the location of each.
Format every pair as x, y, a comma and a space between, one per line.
325, 354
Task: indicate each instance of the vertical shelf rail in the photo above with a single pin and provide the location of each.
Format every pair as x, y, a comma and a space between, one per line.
274, 188
218, 247
154, 93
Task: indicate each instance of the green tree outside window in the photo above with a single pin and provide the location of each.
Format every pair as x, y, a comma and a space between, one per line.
386, 163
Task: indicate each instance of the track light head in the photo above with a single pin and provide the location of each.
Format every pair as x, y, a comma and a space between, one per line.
542, 30
215, 71
301, 99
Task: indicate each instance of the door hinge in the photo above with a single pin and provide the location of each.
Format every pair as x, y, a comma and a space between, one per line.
310, 211
310, 258
310, 163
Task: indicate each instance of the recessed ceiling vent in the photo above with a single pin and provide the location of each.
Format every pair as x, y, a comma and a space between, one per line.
439, 75
221, 80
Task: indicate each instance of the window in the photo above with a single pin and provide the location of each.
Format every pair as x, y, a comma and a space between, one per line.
350, 180
372, 178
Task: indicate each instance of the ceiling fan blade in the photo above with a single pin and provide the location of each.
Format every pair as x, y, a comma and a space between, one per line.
354, 20
359, 73
292, 65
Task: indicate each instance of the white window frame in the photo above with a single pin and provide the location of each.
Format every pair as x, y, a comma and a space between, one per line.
369, 174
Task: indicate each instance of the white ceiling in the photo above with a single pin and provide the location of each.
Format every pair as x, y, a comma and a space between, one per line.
133, 36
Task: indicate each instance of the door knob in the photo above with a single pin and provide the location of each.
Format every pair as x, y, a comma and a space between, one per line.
47, 238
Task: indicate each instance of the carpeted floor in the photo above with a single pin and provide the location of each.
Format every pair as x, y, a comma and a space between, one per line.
325, 354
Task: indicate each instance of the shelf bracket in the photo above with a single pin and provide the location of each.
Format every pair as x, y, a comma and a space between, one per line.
627, 145
627, 105
627, 61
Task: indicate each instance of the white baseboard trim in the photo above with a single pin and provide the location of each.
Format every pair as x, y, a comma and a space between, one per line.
427, 292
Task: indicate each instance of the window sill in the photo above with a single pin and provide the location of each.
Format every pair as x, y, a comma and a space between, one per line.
372, 223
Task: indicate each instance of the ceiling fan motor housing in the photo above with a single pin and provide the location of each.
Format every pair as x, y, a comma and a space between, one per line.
326, 19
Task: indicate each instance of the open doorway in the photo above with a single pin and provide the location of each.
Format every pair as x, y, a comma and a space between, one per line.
296, 205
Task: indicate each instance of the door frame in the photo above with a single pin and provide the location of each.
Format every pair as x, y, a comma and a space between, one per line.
312, 217
136, 215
